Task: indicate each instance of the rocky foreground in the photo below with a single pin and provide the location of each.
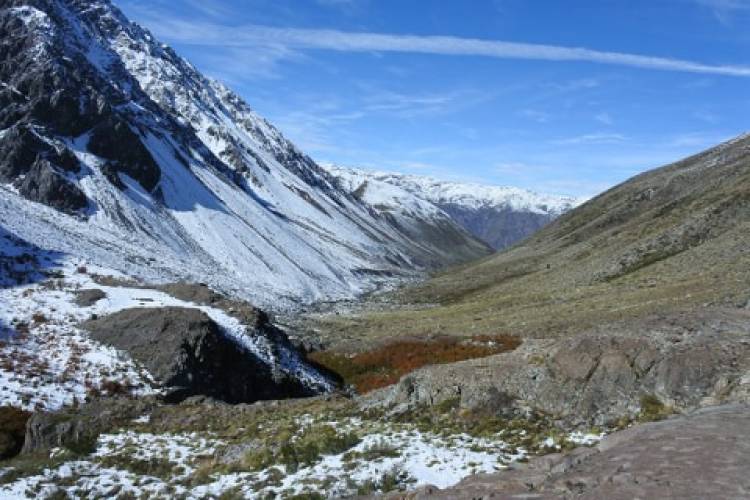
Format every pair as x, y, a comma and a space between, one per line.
701, 455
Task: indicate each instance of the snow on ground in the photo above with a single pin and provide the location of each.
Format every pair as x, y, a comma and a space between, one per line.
103, 474
47, 361
165, 465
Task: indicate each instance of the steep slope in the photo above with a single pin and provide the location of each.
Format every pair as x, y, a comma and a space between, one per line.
425, 223
500, 216
116, 151
668, 239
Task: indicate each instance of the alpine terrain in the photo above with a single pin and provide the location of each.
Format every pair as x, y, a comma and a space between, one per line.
117, 151
191, 307
500, 216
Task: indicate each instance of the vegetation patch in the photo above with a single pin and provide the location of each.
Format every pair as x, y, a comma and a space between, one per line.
295, 451
653, 409
385, 365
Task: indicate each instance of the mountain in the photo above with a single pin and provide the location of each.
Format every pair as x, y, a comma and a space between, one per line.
667, 238
636, 299
116, 151
500, 216
423, 221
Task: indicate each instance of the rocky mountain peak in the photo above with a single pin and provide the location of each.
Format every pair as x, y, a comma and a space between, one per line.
134, 149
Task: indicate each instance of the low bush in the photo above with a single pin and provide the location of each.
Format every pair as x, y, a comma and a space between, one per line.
302, 450
383, 366
652, 409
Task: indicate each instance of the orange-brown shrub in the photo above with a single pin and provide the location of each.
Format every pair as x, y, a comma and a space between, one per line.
385, 365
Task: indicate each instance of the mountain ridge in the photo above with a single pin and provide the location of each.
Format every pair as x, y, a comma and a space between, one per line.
136, 152
499, 215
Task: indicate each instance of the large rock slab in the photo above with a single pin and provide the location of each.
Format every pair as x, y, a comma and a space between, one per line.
187, 352
687, 360
701, 455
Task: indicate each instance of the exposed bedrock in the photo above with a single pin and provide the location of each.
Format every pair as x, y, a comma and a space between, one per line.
685, 360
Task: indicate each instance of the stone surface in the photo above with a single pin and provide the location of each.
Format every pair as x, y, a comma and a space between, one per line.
12, 429
686, 361
189, 354
701, 455
89, 297
78, 427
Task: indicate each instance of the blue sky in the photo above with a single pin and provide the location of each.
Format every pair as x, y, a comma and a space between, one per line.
564, 96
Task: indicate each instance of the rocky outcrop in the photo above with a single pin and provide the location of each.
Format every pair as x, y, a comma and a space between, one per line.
188, 353
116, 142
38, 169
78, 428
12, 429
701, 455
685, 361
89, 297
200, 293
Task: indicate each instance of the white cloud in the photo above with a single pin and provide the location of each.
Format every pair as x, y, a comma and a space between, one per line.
725, 9
258, 36
535, 115
604, 118
598, 138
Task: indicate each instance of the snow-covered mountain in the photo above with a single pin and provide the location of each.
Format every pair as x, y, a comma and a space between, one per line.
498, 215
116, 151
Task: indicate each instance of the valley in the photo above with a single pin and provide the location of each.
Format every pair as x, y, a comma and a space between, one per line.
192, 307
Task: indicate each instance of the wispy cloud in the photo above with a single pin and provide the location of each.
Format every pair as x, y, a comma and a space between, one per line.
724, 10
258, 36
604, 118
597, 138
535, 115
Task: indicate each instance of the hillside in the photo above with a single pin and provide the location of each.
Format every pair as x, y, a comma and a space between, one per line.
669, 239
498, 215
116, 151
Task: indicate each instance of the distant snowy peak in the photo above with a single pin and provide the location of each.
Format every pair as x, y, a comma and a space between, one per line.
469, 195
499, 216
381, 194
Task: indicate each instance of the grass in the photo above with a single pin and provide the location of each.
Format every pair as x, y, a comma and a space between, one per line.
295, 451
157, 467
389, 481
30, 465
385, 365
653, 409
374, 452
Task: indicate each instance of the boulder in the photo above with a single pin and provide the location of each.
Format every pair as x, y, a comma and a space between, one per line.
188, 354
89, 297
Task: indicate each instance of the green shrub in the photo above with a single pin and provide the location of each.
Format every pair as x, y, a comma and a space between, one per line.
652, 409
